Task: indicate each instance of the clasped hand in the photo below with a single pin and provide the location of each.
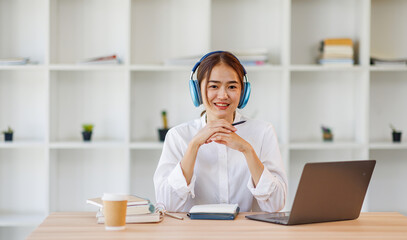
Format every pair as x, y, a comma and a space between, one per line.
222, 132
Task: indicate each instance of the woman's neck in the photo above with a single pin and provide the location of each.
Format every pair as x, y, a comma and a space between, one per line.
210, 118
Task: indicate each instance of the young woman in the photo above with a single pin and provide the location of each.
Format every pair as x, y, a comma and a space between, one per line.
209, 160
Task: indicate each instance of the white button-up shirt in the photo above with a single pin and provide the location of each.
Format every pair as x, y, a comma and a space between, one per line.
221, 174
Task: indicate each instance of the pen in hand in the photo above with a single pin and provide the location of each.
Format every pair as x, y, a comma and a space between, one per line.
237, 123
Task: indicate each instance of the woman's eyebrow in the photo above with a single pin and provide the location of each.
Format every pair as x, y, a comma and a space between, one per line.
229, 82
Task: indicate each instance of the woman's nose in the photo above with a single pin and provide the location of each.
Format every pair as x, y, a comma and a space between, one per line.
222, 93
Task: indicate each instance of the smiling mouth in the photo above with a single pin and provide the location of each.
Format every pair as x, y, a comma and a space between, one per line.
221, 104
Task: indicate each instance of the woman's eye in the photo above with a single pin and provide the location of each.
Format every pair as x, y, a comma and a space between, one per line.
232, 87
213, 86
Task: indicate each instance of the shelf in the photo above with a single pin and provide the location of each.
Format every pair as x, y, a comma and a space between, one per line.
388, 68
325, 145
185, 68
146, 145
78, 67
22, 67
388, 145
87, 145
159, 68
319, 68
22, 144
21, 219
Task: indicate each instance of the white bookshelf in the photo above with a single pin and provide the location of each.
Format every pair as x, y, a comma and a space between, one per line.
46, 103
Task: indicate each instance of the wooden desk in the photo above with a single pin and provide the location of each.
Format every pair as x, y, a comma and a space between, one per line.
83, 226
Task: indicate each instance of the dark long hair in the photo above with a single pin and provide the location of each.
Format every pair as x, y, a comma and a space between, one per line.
206, 66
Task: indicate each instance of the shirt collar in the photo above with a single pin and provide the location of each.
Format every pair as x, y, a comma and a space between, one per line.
238, 117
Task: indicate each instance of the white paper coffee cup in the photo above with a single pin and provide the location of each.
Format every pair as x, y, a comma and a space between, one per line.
114, 210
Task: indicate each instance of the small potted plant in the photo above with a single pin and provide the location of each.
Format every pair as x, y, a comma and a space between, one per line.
8, 134
162, 132
87, 132
396, 134
327, 135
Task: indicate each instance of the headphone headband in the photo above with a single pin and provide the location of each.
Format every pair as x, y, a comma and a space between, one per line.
207, 55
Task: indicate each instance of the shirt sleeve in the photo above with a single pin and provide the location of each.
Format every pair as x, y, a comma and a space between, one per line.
171, 188
271, 190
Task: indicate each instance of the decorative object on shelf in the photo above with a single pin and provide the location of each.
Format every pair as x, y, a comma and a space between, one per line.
336, 52
163, 131
396, 134
327, 135
111, 59
388, 62
14, 61
8, 134
87, 132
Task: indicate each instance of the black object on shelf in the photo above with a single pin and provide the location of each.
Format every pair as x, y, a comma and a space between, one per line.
8, 137
162, 132
87, 136
396, 136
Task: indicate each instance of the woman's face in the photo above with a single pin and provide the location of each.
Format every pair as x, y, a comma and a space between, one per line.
221, 92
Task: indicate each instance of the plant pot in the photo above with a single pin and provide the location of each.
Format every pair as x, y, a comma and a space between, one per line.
327, 137
87, 136
396, 136
162, 132
8, 137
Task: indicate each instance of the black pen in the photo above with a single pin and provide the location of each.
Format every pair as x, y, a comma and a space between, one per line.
237, 123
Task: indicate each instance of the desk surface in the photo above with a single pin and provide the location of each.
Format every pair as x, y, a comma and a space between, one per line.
70, 225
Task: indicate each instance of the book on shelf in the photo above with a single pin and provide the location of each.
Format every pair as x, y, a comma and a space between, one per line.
110, 59
214, 211
388, 61
336, 52
138, 218
338, 41
14, 61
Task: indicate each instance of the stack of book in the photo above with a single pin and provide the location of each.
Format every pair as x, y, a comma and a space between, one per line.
336, 52
110, 59
139, 210
388, 61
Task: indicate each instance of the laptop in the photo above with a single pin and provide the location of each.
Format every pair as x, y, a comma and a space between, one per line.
328, 191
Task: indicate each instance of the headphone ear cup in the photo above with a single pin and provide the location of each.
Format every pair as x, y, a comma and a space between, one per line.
195, 92
244, 98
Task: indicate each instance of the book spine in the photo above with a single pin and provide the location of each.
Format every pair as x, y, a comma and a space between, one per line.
338, 41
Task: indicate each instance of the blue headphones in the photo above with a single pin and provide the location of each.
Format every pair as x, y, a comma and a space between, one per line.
195, 90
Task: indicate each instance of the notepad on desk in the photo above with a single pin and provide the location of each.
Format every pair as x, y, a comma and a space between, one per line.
214, 211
